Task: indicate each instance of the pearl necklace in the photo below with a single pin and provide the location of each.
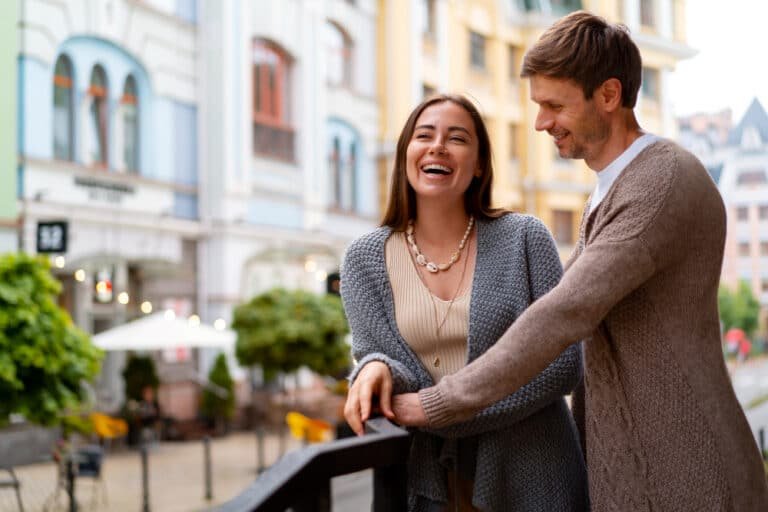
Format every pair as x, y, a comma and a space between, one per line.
430, 265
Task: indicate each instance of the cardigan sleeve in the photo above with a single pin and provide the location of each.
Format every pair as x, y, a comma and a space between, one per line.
368, 324
608, 269
558, 379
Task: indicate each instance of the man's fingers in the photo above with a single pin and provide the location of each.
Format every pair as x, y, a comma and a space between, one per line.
385, 398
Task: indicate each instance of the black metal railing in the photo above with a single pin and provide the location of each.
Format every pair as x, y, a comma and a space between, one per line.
301, 480
273, 141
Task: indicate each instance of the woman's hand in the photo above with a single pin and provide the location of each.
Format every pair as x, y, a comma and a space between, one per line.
374, 379
408, 410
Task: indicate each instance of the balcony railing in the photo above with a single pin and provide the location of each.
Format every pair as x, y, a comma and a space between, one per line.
273, 141
301, 480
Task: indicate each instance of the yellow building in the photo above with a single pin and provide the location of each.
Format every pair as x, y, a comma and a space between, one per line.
476, 47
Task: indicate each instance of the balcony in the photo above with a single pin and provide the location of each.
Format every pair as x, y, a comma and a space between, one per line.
301, 480
273, 141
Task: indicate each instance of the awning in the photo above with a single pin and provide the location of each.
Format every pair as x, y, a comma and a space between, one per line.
161, 331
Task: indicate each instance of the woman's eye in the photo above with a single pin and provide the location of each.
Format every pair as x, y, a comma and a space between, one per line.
457, 139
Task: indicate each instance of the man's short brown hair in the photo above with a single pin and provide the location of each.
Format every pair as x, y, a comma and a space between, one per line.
588, 50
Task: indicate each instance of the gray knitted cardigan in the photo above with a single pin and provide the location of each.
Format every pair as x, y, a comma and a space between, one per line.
527, 451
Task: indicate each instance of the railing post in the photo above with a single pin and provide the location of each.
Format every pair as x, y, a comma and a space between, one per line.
207, 468
389, 488
319, 501
762, 442
144, 478
259, 449
70, 473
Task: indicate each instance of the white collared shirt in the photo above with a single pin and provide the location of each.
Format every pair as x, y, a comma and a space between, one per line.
607, 176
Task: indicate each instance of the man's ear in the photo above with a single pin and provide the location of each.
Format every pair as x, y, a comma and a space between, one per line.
608, 94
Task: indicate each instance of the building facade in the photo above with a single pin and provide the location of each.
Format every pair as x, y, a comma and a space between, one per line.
189, 154
737, 158
8, 123
476, 48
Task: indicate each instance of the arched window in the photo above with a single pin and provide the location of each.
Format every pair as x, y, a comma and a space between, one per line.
343, 166
130, 109
339, 51
63, 110
272, 132
98, 122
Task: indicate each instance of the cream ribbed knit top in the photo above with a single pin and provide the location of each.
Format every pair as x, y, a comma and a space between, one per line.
418, 313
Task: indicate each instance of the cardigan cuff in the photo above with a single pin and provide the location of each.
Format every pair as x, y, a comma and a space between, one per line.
433, 403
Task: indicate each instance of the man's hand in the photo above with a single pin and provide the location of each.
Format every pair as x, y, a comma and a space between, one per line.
374, 379
408, 410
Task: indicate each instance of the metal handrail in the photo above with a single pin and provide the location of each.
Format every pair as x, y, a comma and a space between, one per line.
301, 479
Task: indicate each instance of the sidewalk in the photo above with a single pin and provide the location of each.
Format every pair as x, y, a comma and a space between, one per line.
176, 477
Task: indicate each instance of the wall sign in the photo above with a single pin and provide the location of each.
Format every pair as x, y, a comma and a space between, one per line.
52, 237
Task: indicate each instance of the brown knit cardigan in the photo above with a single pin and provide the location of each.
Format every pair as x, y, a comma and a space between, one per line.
660, 422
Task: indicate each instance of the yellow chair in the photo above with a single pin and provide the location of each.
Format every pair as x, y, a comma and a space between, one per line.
108, 427
309, 430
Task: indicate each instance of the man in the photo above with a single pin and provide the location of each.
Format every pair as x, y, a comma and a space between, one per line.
660, 424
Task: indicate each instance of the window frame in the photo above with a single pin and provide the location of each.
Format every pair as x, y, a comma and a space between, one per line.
64, 82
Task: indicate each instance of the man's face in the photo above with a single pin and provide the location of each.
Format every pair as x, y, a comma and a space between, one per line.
575, 124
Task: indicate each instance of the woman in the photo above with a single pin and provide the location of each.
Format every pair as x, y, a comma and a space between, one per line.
434, 288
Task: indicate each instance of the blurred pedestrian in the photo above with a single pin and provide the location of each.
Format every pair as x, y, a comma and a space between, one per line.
745, 347
436, 286
660, 422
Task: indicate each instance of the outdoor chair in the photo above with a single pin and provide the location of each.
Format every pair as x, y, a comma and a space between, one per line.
87, 464
309, 430
12, 482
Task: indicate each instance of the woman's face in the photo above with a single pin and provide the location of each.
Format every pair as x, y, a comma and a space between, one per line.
442, 155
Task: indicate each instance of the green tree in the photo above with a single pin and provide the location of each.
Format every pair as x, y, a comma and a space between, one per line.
738, 309
44, 357
282, 330
139, 373
219, 402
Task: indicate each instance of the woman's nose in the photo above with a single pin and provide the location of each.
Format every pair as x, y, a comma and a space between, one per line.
437, 146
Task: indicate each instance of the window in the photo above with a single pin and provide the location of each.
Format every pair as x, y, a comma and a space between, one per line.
63, 110
742, 213
98, 118
339, 51
762, 212
513, 59
763, 249
514, 146
130, 109
556, 7
650, 84
272, 135
751, 177
427, 91
647, 15
429, 16
476, 50
765, 285
563, 226
343, 154
744, 249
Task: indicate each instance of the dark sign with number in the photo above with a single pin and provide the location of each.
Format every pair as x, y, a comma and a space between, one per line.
52, 237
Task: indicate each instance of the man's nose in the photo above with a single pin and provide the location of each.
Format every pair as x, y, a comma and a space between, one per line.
543, 121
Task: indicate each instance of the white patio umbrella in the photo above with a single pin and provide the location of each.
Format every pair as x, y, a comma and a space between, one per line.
161, 331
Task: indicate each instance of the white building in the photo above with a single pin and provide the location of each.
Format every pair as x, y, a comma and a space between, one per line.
197, 152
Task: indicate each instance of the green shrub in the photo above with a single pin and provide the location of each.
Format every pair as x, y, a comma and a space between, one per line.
44, 357
214, 406
283, 330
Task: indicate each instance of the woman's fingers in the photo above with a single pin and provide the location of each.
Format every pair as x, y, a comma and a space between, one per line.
352, 411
